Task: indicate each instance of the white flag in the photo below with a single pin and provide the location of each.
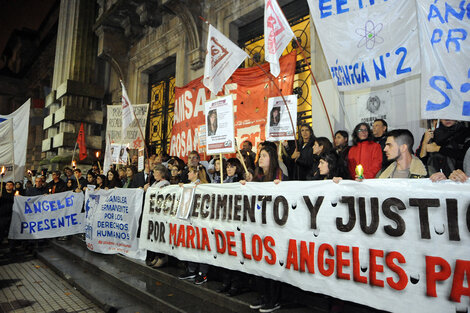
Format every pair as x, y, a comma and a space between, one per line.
277, 34
127, 110
223, 57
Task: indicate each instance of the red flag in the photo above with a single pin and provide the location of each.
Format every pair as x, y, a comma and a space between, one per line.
81, 143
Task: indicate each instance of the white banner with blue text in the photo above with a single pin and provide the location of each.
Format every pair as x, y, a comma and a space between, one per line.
444, 28
396, 245
112, 221
47, 216
367, 43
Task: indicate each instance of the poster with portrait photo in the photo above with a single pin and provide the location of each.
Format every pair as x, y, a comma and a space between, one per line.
115, 151
220, 131
279, 126
123, 156
186, 202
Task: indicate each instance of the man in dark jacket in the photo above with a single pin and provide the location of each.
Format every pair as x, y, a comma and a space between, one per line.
56, 185
39, 187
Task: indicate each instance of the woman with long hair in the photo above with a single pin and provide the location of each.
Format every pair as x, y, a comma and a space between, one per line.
268, 170
341, 143
162, 177
301, 161
131, 171
196, 271
321, 145
365, 152
212, 122
100, 182
234, 171
112, 180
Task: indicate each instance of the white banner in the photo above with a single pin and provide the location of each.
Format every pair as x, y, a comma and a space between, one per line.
277, 35
375, 243
7, 149
368, 43
20, 120
133, 136
223, 57
279, 125
444, 28
112, 218
220, 130
47, 216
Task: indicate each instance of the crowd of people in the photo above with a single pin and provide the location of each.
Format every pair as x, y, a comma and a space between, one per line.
442, 154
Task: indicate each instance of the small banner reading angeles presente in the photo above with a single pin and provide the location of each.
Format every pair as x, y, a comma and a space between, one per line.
223, 57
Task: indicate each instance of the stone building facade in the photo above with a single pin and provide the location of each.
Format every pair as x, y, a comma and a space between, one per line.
149, 44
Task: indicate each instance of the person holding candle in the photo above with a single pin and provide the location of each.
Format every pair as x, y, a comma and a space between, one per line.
364, 152
56, 185
301, 160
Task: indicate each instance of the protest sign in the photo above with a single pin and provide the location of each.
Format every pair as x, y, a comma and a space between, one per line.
112, 218
250, 89
219, 126
14, 135
444, 29
47, 216
140, 160
133, 136
279, 123
374, 243
115, 152
367, 43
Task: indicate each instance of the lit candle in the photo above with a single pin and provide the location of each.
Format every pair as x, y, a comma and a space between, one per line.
74, 164
98, 158
3, 170
360, 171
17, 193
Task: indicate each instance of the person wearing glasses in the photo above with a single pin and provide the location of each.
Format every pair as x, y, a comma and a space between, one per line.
365, 152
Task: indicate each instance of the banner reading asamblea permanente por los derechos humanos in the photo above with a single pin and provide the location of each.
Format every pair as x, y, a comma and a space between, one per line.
250, 89
112, 221
47, 216
373, 242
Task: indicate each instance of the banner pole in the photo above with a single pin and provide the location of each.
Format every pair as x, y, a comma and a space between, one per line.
145, 145
221, 169
73, 153
302, 52
280, 92
272, 80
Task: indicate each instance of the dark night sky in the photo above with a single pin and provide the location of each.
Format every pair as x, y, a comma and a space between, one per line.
18, 14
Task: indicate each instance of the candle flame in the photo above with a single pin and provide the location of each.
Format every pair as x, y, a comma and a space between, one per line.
74, 164
359, 170
97, 154
17, 193
3, 170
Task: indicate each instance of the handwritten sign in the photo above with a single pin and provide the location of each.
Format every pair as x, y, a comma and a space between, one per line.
47, 216
444, 28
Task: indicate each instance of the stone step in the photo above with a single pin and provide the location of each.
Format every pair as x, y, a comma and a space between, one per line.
161, 290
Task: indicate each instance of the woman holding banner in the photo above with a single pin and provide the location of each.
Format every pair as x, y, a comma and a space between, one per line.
301, 161
267, 170
162, 177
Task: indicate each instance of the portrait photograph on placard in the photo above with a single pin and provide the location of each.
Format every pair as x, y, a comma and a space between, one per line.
220, 131
280, 126
186, 202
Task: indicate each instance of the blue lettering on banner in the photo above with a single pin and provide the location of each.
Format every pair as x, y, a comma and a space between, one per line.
45, 206
346, 75
454, 36
49, 223
446, 101
336, 7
